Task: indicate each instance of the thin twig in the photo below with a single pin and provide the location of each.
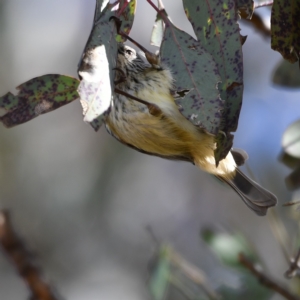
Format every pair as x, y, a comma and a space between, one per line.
280, 233
23, 261
193, 273
161, 12
121, 9
291, 203
265, 280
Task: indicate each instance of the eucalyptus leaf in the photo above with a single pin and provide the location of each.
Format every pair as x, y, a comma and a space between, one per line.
160, 277
159, 26
95, 89
194, 70
215, 25
126, 13
227, 246
288, 160
38, 96
291, 140
249, 289
287, 74
157, 31
96, 68
293, 180
285, 29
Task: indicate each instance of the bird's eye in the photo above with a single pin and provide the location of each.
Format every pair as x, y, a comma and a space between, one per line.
129, 52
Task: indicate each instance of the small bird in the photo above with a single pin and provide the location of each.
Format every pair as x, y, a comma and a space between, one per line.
144, 116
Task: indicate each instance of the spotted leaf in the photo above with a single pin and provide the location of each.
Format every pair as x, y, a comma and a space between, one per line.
196, 77
215, 25
38, 96
285, 29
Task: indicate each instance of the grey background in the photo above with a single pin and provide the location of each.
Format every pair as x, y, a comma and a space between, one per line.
83, 201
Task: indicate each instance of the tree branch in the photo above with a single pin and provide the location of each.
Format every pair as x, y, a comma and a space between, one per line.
24, 261
265, 280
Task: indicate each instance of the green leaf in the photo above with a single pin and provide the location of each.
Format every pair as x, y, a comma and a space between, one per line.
249, 289
293, 180
224, 145
126, 16
227, 246
215, 25
99, 59
287, 75
173, 274
97, 82
291, 140
285, 29
38, 96
160, 277
288, 160
194, 71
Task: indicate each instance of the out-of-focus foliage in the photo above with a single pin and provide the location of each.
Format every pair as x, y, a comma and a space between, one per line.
171, 274
291, 154
291, 140
227, 248
287, 75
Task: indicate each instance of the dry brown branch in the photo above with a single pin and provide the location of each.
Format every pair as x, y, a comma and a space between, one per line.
265, 279
24, 261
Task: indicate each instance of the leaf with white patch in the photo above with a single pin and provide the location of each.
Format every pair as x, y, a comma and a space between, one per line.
96, 68
94, 88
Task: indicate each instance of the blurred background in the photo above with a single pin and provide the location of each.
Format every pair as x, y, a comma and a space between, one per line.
83, 201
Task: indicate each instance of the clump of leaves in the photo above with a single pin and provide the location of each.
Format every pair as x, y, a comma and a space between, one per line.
208, 70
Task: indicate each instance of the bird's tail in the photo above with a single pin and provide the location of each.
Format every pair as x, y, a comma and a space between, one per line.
255, 196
